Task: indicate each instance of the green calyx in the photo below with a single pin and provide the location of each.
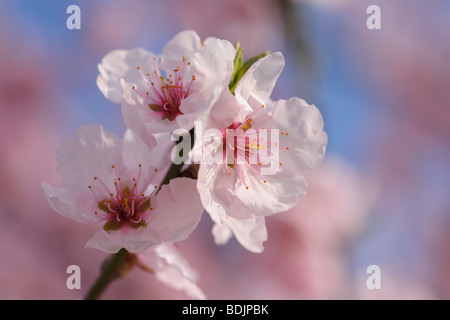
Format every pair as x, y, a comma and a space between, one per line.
240, 67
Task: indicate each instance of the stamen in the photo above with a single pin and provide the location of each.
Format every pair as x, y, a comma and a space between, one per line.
166, 98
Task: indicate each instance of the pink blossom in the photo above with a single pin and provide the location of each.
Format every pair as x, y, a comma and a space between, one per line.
163, 93
239, 195
103, 182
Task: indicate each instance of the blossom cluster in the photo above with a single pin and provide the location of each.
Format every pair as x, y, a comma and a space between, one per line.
242, 154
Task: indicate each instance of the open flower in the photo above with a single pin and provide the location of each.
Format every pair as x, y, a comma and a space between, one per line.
264, 146
169, 267
169, 91
115, 183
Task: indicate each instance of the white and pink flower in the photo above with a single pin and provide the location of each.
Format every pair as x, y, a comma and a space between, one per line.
116, 182
169, 91
287, 136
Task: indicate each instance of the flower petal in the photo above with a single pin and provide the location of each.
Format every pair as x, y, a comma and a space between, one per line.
303, 122
213, 65
172, 269
222, 233
145, 122
214, 187
185, 43
258, 82
177, 210
278, 194
61, 201
194, 108
227, 110
119, 64
91, 153
251, 233
154, 162
134, 240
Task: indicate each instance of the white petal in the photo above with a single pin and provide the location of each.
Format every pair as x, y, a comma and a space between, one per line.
304, 123
185, 43
214, 186
102, 241
194, 108
134, 240
213, 65
222, 233
226, 195
226, 110
278, 194
139, 118
172, 269
177, 210
91, 153
61, 201
136, 152
122, 64
258, 82
251, 233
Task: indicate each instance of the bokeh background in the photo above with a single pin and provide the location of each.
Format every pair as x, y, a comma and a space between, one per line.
381, 196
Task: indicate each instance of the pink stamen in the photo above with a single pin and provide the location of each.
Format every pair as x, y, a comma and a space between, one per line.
168, 92
124, 203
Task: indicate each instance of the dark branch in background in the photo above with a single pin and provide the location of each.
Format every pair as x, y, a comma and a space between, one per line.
296, 28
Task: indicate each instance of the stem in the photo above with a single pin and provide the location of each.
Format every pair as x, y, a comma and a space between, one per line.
107, 275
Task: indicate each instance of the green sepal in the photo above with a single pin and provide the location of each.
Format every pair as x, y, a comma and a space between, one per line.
102, 206
238, 60
240, 69
142, 223
112, 225
144, 206
155, 107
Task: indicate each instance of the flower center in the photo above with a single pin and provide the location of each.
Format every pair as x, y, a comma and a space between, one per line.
127, 203
165, 94
250, 148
